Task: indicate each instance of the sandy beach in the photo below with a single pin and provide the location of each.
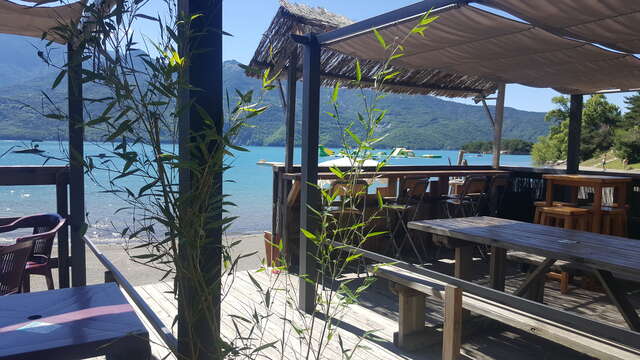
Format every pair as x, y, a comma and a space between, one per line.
139, 274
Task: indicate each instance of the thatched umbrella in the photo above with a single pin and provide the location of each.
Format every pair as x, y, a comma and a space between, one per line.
277, 47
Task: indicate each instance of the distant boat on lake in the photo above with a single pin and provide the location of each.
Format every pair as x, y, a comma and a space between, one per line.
33, 149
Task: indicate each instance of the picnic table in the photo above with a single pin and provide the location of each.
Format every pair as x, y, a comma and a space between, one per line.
597, 182
603, 254
75, 323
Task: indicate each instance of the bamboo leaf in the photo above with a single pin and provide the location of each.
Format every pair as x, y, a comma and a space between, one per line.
308, 234
58, 79
380, 39
334, 95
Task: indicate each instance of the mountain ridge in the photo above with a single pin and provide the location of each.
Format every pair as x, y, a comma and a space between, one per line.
414, 121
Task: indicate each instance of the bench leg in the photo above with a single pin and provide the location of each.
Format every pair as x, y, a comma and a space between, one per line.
411, 318
452, 332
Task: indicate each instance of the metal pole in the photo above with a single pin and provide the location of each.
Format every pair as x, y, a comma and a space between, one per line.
76, 169
310, 196
203, 48
497, 129
573, 142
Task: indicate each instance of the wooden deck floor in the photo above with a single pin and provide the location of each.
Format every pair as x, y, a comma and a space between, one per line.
378, 312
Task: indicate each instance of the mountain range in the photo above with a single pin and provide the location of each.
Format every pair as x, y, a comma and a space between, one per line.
413, 121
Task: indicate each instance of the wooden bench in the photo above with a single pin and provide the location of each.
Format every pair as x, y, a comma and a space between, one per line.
412, 289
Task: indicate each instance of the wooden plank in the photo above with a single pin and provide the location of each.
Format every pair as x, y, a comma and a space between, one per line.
452, 333
619, 298
408, 174
30, 175
583, 179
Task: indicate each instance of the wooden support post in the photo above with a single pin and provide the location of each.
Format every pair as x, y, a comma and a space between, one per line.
575, 126
497, 129
310, 196
290, 124
411, 317
62, 206
497, 267
203, 48
76, 167
452, 331
290, 136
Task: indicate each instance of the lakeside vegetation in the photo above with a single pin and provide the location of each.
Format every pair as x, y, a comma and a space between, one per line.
604, 131
512, 146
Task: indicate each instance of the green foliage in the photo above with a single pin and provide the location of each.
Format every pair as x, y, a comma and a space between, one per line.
513, 146
599, 118
627, 144
632, 116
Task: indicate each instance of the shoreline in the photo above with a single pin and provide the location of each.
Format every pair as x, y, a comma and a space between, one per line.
140, 274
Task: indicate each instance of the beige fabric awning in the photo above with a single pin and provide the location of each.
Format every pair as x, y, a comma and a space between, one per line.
611, 23
35, 20
470, 41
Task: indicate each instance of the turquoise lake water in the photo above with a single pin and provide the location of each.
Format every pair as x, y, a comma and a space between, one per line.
250, 188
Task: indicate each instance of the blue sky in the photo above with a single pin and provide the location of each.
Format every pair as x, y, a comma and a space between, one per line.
248, 19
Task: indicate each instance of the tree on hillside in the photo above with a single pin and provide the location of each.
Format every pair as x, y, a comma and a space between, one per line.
632, 117
626, 143
599, 118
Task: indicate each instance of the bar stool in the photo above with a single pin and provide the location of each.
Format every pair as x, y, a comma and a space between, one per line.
614, 221
540, 204
566, 216
570, 218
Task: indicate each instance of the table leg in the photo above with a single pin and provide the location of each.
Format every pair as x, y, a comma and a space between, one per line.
534, 277
497, 267
573, 194
464, 262
549, 197
597, 210
619, 299
443, 184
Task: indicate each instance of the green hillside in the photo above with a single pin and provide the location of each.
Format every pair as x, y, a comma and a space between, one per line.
413, 121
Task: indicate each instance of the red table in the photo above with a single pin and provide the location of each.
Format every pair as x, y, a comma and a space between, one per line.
75, 323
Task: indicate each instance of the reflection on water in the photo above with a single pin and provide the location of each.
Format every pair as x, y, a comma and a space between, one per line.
250, 189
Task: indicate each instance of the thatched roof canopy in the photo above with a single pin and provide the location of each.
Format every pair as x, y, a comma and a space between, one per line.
276, 47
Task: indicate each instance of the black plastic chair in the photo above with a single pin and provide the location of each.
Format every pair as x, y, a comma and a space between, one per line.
45, 227
13, 259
